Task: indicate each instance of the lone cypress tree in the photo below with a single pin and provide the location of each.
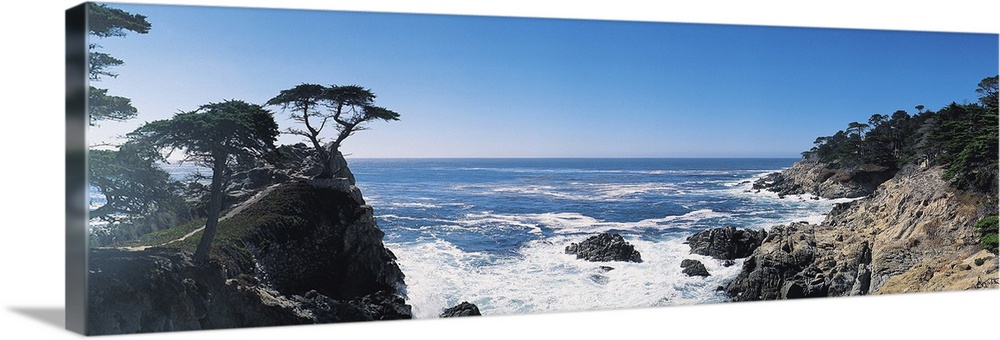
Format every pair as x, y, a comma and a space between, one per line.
349, 106
214, 135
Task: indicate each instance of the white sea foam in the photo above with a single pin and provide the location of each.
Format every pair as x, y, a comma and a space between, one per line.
691, 172
545, 279
799, 208
576, 223
575, 190
410, 205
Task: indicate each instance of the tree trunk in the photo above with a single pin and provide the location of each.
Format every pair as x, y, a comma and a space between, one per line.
330, 170
214, 206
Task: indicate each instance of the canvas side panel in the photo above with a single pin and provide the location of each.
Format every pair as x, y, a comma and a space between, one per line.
76, 159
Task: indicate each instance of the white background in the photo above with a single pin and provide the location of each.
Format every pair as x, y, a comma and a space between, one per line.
33, 176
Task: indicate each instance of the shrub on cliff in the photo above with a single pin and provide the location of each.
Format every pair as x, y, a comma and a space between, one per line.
987, 228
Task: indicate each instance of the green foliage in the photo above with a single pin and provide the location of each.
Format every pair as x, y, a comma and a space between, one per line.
349, 106
988, 91
214, 131
131, 182
139, 196
105, 107
290, 211
165, 236
960, 138
965, 141
100, 65
987, 228
215, 135
880, 142
103, 22
979, 261
304, 100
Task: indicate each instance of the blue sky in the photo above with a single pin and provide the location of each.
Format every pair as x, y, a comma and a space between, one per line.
469, 86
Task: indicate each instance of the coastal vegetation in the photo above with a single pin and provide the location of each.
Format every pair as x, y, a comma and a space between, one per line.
349, 106
227, 137
213, 136
962, 138
987, 229
104, 22
139, 196
929, 225
298, 245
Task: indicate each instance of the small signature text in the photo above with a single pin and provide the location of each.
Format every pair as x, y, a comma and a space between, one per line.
988, 282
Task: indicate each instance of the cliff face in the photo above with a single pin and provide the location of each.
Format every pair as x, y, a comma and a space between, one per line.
297, 253
812, 177
913, 234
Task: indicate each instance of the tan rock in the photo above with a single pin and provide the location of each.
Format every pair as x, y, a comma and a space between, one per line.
913, 234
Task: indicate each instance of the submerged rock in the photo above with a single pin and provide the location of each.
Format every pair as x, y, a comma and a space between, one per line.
694, 268
463, 309
726, 243
604, 247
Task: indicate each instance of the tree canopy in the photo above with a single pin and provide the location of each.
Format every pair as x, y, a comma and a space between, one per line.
214, 130
103, 22
304, 101
349, 106
962, 138
130, 181
214, 135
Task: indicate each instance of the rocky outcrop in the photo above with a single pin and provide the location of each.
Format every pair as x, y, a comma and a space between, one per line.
463, 309
809, 176
296, 161
726, 243
604, 247
914, 233
694, 268
297, 254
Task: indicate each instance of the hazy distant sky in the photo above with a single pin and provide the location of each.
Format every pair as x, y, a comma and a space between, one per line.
470, 86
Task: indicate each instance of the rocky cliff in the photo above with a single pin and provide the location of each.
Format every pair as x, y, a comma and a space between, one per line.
809, 176
914, 233
299, 252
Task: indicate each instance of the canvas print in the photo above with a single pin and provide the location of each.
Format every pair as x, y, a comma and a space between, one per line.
261, 167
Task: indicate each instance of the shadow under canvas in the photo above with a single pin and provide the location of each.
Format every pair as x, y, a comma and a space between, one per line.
53, 316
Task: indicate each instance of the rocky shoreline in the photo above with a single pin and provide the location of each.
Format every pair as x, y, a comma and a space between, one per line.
299, 251
809, 176
910, 233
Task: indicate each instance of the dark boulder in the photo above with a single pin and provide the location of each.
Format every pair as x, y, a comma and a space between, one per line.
782, 268
778, 183
726, 243
463, 309
604, 247
694, 268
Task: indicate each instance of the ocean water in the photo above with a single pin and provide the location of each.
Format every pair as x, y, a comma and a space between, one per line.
493, 231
